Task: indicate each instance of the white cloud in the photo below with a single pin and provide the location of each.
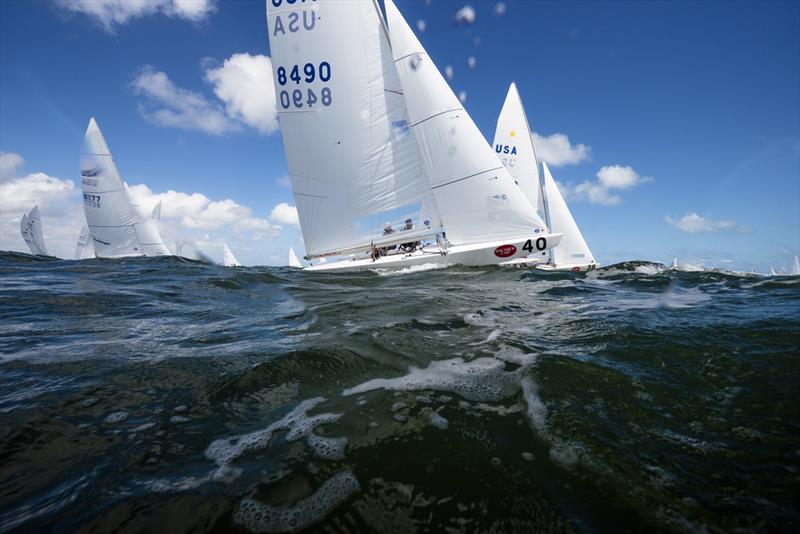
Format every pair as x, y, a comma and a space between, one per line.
465, 15
557, 150
610, 178
619, 177
112, 13
283, 213
58, 201
197, 211
694, 223
244, 83
169, 105
9, 162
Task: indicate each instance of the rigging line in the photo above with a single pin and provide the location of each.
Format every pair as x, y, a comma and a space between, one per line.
466, 177
436, 115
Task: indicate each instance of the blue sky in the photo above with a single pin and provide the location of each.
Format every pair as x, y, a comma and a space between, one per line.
699, 100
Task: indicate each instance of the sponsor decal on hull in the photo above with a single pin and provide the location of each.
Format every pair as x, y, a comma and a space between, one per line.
504, 251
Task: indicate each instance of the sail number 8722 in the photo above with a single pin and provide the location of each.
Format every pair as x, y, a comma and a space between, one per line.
540, 244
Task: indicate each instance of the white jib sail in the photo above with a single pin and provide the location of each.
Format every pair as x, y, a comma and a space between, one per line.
112, 219
796, 267
477, 199
147, 232
31, 228
84, 248
572, 250
352, 159
294, 261
228, 259
514, 147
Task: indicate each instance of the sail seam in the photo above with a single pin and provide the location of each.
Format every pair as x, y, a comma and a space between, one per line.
436, 115
307, 195
466, 177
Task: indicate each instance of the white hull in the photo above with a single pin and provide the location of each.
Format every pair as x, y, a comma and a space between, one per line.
470, 255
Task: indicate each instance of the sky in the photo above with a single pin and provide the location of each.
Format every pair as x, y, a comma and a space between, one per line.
673, 128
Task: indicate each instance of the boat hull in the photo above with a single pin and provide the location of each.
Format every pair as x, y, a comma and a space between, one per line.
493, 253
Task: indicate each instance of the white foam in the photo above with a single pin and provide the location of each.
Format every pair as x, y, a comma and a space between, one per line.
116, 417
514, 355
178, 419
537, 411
482, 379
437, 420
298, 424
256, 516
411, 269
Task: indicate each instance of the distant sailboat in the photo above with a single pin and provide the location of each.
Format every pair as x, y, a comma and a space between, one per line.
31, 228
116, 225
796, 268
572, 254
514, 147
228, 259
389, 169
84, 248
156, 215
294, 261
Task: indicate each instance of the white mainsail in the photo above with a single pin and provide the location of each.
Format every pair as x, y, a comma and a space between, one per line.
228, 259
796, 267
514, 147
156, 215
294, 261
117, 226
476, 197
573, 250
84, 248
31, 228
352, 159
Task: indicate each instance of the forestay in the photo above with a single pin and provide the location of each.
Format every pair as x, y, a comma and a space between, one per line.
112, 219
572, 249
352, 160
31, 228
477, 198
514, 147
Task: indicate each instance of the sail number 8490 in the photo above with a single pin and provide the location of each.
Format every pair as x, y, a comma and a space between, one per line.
299, 98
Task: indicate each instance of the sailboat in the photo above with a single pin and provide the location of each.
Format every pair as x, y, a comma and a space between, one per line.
84, 248
31, 228
116, 224
156, 215
294, 261
514, 147
796, 267
228, 259
387, 168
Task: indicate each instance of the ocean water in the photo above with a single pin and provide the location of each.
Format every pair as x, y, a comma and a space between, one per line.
167, 395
